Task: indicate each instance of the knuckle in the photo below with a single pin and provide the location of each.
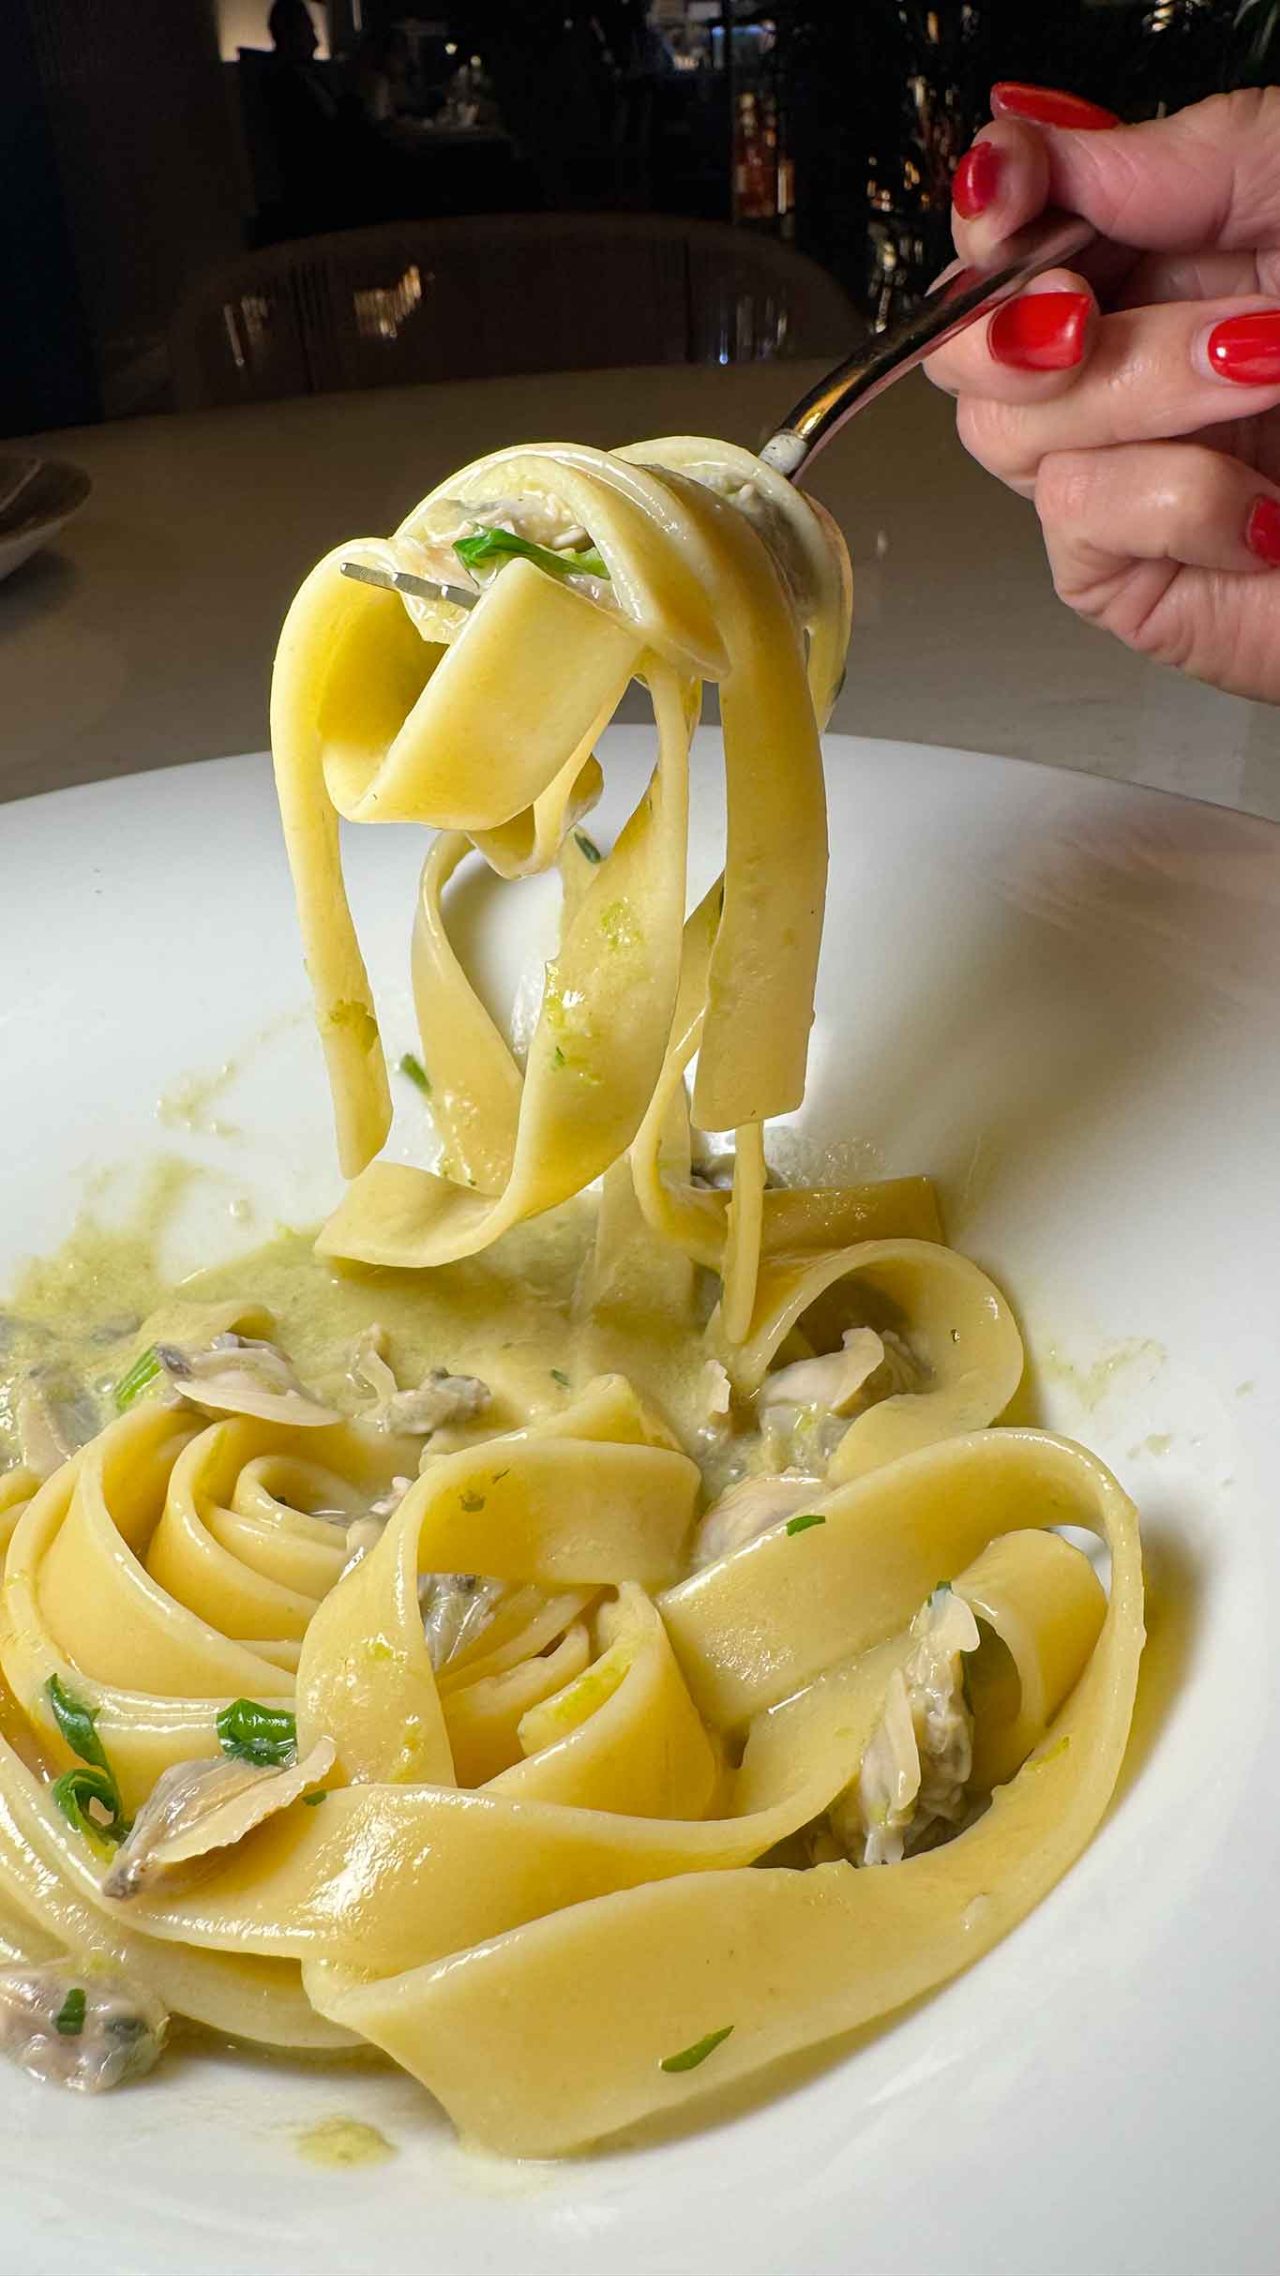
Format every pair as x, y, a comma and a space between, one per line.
986, 428
1246, 125
1072, 582
1201, 482
1125, 177
1241, 111
1066, 488
1190, 488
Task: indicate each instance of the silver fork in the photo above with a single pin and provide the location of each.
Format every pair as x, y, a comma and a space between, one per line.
960, 298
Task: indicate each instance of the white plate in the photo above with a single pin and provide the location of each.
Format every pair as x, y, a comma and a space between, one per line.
1060, 996
37, 496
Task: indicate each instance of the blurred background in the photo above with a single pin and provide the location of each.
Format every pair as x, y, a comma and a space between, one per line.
184, 180
269, 269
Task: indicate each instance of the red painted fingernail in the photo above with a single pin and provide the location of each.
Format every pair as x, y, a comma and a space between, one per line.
976, 180
1047, 106
1262, 531
1247, 348
1044, 331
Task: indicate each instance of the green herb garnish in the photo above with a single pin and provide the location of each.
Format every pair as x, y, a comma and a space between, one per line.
558, 1058
587, 846
689, 2058
312, 1801
558, 1376
493, 544
69, 2019
73, 1792
77, 1723
806, 1518
134, 1381
416, 1072
77, 1789
251, 1732
471, 1501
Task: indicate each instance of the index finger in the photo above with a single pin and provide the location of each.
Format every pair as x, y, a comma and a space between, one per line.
1000, 184
1204, 178
1007, 174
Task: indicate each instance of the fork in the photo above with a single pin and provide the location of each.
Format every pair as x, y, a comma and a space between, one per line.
961, 297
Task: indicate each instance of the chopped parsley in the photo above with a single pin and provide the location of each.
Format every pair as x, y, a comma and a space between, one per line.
471, 1501
806, 1518
69, 2017
267, 1736
587, 846
77, 1723
689, 2058
558, 1058
493, 544
135, 1380
412, 1067
76, 1790
313, 1801
558, 1376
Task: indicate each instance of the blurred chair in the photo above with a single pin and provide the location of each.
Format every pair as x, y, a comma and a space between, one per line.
493, 295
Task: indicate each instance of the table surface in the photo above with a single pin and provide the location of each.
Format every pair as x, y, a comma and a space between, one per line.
144, 635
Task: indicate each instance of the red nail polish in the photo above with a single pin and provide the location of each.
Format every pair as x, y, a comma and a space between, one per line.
1047, 106
1044, 331
976, 180
1247, 348
1262, 531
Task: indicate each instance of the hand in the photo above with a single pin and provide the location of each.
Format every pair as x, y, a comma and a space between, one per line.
1139, 406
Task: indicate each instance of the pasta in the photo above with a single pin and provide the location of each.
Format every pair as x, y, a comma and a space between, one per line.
646, 1657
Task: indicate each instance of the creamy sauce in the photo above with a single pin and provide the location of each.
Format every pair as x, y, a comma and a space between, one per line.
1127, 1364
344, 2141
73, 1313
188, 1103
509, 1317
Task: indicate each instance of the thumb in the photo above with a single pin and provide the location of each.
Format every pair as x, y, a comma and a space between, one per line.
1206, 177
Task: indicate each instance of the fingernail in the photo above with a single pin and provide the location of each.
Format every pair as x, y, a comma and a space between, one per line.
1046, 106
1043, 331
1247, 348
976, 180
1262, 531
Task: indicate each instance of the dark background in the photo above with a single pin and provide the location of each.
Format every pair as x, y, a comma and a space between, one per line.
142, 142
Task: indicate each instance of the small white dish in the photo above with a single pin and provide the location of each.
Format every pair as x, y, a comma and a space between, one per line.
1057, 994
37, 497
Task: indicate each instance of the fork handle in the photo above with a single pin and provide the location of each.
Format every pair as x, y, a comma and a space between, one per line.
957, 300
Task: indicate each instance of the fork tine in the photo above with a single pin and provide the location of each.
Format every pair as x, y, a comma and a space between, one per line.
400, 581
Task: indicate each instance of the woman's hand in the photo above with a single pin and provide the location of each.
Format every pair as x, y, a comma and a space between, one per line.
1140, 405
